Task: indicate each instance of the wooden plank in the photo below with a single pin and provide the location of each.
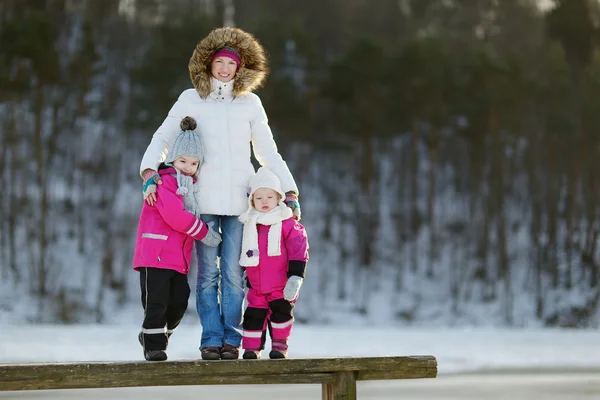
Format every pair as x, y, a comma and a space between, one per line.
327, 391
197, 372
234, 367
405, 373
74, 382
344, 387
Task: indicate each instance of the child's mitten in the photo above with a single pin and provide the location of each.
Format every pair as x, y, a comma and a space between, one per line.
212, 238
292, 287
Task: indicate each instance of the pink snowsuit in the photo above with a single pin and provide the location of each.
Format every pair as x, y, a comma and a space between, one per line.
266, 304
163, 252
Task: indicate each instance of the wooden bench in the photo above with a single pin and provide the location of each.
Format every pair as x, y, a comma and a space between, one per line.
337, 376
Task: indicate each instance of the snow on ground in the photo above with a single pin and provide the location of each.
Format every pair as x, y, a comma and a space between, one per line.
456, 349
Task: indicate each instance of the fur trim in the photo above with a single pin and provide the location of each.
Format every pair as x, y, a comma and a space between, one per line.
253, 69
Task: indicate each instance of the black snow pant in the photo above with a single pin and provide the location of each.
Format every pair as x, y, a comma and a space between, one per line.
165, 295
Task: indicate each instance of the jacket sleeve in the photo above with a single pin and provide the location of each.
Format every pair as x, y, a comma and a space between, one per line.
265, 148
296, 244
170, 207
162, 140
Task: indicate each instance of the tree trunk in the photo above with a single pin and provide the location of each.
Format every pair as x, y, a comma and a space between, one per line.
400, 211
573, 181
552, 213
11, 161
432, 180
413, 216
4, 205
42, 289
228, 13
367, 214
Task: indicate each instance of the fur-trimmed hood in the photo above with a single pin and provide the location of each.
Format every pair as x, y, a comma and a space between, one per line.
252, 71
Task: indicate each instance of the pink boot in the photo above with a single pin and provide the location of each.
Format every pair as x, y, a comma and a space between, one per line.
279, 349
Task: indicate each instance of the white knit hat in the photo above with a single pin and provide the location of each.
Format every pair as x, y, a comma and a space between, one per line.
265, 178
187, 143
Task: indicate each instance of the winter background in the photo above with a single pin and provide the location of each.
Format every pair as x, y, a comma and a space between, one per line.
446, 154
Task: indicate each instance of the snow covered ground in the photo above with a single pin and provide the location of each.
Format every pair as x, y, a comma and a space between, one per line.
473, 363
552, 386
457, 350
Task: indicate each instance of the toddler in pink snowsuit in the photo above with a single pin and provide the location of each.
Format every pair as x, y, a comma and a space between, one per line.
274, 255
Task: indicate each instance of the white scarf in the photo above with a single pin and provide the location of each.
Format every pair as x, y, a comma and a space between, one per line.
273, 218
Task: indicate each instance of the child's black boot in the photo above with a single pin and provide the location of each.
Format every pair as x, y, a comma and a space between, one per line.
155, 355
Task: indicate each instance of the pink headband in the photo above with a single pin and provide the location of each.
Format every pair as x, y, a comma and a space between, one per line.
228, 52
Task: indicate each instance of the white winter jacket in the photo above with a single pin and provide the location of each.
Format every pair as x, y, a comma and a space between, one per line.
227, 124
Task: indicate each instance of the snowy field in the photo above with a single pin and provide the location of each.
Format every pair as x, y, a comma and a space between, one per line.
564, 386
473, 363
457, 350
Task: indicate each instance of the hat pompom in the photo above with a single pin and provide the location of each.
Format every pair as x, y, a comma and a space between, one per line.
188, 124
188, 143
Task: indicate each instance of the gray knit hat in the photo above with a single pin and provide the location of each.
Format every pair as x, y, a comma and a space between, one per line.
187, 143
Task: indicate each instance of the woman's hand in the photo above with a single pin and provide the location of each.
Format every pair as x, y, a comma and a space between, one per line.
151, 179
291, 200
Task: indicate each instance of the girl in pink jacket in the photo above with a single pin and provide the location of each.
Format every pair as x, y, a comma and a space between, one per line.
274, 254
165, 241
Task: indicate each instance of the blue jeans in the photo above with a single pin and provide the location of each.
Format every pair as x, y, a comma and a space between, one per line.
220, 308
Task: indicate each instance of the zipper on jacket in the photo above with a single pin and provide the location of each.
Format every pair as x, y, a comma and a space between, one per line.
230, 138
186, 267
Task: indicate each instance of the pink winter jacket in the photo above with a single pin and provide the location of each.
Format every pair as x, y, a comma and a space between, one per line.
166, 232
272, 271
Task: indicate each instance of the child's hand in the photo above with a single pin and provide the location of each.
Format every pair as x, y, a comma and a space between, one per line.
212, 238
292, 288
291, 200
151, 179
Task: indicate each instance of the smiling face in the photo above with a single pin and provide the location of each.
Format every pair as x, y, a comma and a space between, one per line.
187, 165
223, 68
264, 200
